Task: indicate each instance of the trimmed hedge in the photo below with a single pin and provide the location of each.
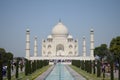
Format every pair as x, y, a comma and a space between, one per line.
32, 66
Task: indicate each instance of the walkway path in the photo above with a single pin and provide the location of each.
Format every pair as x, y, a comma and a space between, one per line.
42, 77
72, 72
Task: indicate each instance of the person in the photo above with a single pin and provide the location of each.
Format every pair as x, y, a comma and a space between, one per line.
4, 71
103, 68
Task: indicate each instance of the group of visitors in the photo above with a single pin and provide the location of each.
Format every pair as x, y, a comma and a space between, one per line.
13, 65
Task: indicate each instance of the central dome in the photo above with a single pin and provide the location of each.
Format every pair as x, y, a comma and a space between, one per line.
59, 29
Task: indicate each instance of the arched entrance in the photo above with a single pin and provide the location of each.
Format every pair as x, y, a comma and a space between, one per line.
60, 50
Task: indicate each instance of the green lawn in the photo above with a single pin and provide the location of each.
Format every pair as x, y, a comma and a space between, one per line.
31, 76
87, 75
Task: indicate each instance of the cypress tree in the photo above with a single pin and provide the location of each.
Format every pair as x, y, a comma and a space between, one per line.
94, 67
1, 77
111, 72
17, 68
86, 65
90, 66
119, 68
38, 66
26, 67
79, 63
30, 69
82, 65
76, 63
44, 62
9, 70
41, 63
98, 69
72, 62
33, 67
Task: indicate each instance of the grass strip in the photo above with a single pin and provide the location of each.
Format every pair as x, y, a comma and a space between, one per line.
30, 76
88, 76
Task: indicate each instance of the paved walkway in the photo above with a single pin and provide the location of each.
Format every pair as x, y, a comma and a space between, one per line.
75, 74
42, 77
72, 72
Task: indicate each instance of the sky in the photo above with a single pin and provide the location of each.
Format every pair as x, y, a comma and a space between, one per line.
40, 16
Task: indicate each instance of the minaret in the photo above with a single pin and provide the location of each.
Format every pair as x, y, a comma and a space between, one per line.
92, 43
84, 47
28, 44
35, 47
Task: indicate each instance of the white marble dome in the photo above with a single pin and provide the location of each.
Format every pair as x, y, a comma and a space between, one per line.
60, 29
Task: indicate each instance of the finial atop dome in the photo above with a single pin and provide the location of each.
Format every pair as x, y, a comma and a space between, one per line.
59, 20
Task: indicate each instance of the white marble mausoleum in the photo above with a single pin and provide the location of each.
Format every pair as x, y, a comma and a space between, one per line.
60, 45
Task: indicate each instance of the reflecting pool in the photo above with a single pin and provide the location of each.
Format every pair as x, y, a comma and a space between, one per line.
59, 73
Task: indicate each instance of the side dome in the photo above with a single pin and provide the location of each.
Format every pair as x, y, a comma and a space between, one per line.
70, 37
49, 37
60, 29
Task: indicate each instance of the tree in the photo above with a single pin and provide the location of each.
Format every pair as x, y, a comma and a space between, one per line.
115, 50
1, 77
98, 68
17, 68
82, 65
35, 64
2, 51
101, 51
26, 67
9, 70
90, 66
29, 67
33, 67
9, 56
5, 56
40, 62
94, 70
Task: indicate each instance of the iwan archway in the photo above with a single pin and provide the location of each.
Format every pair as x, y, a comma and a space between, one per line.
60, 50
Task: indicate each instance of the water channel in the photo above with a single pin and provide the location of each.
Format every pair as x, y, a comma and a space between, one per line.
59, 72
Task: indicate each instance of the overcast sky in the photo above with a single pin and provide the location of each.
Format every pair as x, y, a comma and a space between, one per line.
40, 16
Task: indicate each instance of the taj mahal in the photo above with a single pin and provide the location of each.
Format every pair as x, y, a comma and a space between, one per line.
60, 45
